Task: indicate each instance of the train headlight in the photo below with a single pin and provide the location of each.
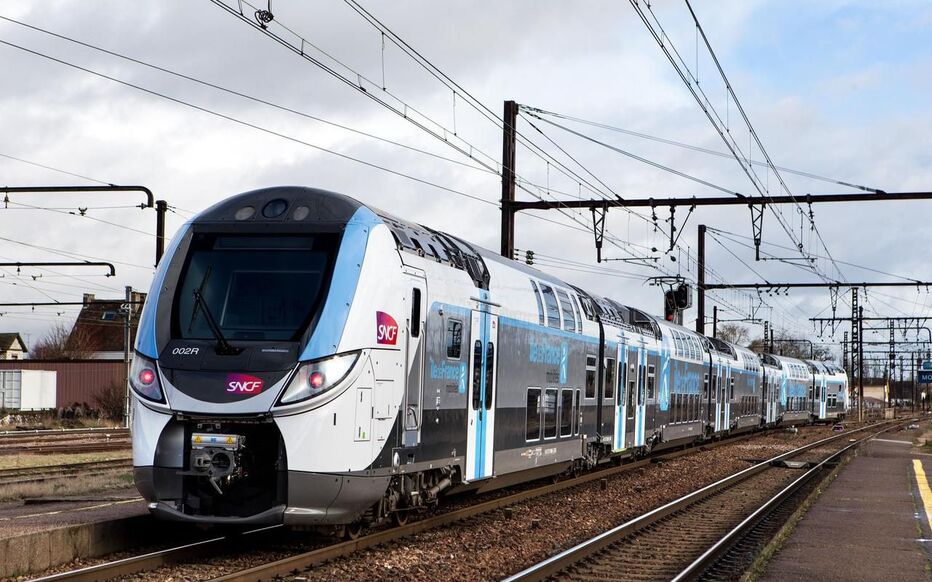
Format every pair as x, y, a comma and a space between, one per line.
144, 379
315, 378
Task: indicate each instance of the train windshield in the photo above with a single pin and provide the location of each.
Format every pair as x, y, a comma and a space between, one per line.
260, 288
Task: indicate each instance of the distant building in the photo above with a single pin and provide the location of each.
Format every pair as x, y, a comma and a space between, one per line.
12, 347
98, 331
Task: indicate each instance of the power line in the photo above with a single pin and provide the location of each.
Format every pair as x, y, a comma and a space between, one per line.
700, 149
54, 169
245, 95
245, 123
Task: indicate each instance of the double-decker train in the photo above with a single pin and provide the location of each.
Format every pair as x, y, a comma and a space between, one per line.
303, 358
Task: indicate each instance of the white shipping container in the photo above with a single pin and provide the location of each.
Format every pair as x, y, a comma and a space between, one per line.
28, 389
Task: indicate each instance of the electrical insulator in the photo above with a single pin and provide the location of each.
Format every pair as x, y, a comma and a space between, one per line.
529, 257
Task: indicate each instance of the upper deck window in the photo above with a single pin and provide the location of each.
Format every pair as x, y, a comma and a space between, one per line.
553, 310
569, 320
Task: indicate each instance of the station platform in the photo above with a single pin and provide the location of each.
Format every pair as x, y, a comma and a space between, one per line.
871, 523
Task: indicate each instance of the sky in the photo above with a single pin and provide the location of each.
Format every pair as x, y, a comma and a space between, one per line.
835, 88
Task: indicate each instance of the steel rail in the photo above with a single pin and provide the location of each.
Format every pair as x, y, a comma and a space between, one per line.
41, 449
150, 561
60, 431
726, 542
168, 556
286, 566
24, 475
555, 564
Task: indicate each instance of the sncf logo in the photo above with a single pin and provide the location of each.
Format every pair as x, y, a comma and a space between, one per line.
244, 384
386, 329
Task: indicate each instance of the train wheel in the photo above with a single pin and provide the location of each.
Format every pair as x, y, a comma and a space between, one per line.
353, 530
399, 518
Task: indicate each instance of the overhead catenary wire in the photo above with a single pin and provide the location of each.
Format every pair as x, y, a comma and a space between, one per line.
53, 168
700, 149
246, 96
245, 123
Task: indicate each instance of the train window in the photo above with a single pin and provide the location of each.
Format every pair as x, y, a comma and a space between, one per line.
258, 288
573, 300
650, 382
415, 312
642, 378
532, 427
476, 375
632, 383
610, 378
489, 368
540, 304
569, 320
454, 339
705, 386
550, 413
731, 394
621, 382
553, 310
566, 412
591, 362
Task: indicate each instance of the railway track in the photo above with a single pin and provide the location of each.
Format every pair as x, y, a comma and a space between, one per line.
687, 538
64, 441
42, 473
71, 448
32, 434
328, 550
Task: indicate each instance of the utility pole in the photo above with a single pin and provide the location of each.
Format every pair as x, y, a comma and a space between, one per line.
509, 120
700, 281
127, 310
160, 208
715, 321
844, 352
860, 361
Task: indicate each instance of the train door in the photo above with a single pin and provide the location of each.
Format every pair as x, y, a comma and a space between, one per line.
481, 397
621, 394
651, 388
415, 347
764, 395
633, 395
725, 383
729, 390
608, 398
823, 405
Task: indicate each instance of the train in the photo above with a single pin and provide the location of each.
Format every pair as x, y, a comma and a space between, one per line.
306, 359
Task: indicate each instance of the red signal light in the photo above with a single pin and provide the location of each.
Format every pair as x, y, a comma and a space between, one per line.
146, 376
316, 380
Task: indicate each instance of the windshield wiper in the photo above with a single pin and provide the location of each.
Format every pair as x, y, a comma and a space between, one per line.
223, 346
197, 306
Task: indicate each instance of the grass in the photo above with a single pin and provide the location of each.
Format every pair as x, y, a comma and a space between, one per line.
74, 485
21, 461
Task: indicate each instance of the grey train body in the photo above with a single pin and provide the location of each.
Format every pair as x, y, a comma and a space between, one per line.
305, 359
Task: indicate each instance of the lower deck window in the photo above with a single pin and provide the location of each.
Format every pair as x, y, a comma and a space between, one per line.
566, 413
550, 413
533, 414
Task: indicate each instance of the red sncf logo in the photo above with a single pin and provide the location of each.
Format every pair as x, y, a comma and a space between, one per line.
386, 329
244, 384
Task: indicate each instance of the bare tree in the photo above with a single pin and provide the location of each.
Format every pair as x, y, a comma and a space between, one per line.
60, 344
784, 345
733, 333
